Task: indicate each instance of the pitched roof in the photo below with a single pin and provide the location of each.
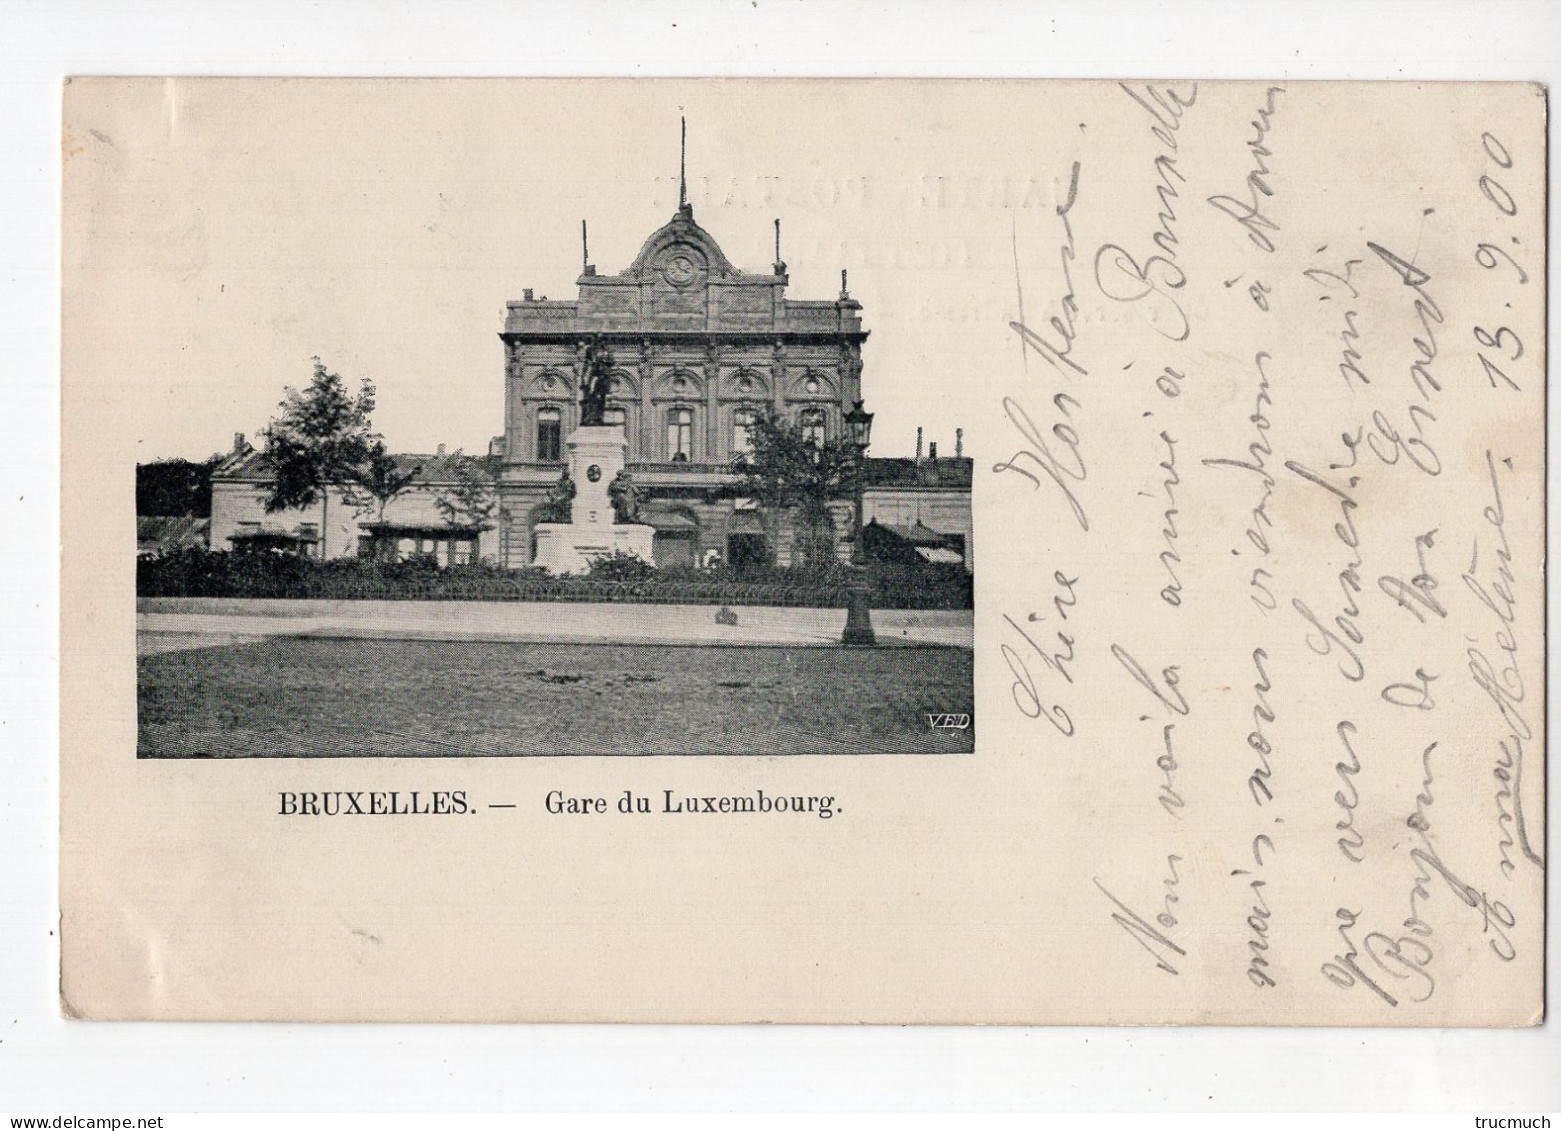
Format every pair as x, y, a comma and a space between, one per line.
435, 468
172, 532
948, 472
917, 534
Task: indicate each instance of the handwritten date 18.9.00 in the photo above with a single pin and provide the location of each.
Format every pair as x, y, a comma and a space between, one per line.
1502, 342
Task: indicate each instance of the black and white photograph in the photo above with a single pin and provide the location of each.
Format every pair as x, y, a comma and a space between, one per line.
670, 498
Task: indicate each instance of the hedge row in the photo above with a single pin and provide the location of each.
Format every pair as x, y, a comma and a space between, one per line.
200, 573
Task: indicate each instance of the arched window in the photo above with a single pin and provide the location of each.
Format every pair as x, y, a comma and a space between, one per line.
812, 421
549, 435
612, 416
680, 434
742, 421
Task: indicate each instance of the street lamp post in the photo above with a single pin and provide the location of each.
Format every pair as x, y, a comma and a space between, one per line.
859, 617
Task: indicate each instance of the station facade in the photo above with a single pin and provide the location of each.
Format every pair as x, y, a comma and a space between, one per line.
701, 348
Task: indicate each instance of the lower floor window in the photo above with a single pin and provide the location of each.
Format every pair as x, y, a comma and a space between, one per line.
444, 550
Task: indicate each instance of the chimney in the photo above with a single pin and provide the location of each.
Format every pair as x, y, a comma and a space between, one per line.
918, 445
528, 294
959, 443
932, 451
440, 452
240, 445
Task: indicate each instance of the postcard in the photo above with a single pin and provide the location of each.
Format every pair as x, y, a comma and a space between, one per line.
999, 552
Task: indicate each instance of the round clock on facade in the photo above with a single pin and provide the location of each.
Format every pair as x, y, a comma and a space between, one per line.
681, 269
682, 266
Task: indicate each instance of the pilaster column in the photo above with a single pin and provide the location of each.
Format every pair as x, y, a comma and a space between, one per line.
778, 378
647, 448
712, 400
571, 412
850, 375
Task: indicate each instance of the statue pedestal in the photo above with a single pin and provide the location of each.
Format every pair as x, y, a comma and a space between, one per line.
563, 547
596, 456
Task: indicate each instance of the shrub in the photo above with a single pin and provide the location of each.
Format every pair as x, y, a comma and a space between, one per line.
618, 578
619, 566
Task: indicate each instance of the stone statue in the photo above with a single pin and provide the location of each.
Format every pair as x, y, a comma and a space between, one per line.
625, 497
595, 383
559, 499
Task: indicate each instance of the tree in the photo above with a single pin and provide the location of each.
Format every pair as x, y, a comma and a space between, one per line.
320, 438
169, 487
471, 502
378, 482
785, 469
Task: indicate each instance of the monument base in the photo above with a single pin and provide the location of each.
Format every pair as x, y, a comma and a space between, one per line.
596, 455
564, 547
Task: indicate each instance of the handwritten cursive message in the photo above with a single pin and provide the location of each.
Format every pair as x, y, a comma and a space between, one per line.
1270, 461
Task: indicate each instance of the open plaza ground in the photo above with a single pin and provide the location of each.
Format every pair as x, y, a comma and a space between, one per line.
308, 696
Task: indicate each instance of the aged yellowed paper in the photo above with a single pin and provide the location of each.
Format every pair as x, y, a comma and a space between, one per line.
833, 551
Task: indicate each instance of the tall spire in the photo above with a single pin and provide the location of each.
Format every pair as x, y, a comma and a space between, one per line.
683, 208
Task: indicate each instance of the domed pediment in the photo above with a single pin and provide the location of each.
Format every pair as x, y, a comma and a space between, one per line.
681, 281
681, 254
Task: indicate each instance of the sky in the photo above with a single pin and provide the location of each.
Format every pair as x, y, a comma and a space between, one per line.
229, 232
